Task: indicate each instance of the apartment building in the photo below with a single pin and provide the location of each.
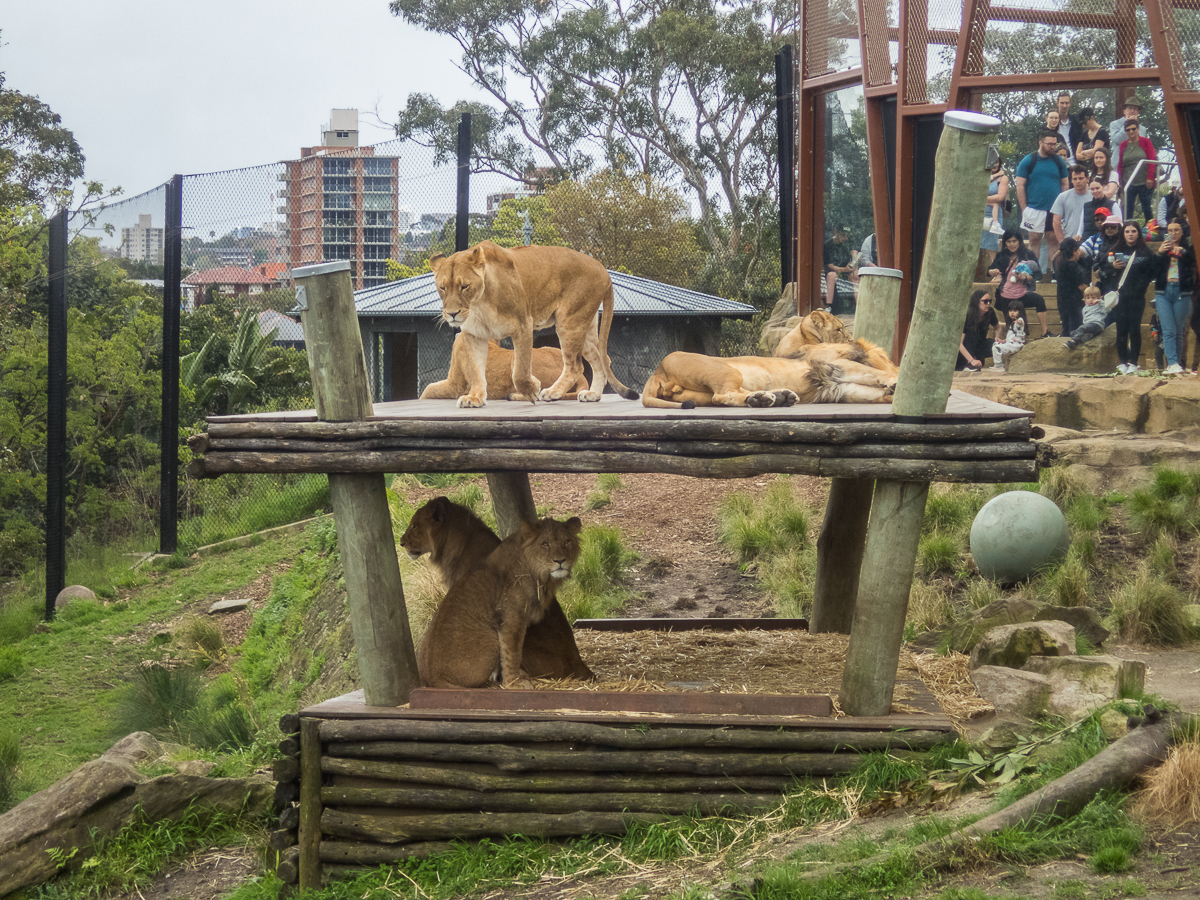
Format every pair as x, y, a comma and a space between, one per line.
142, 242
341, 201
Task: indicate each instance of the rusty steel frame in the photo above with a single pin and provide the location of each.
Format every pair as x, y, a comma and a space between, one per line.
893, 235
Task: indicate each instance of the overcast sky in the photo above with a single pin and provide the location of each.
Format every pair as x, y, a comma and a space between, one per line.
153, 88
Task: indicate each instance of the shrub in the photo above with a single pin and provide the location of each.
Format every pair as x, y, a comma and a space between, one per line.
1148, 611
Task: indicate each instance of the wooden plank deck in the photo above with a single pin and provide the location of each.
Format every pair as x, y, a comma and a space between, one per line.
960, 406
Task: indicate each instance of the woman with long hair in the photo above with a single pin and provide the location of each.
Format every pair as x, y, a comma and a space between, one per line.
1129, 252
1093, 137
1015, 269
975, 345
993, 213
1102, 168
1173, 295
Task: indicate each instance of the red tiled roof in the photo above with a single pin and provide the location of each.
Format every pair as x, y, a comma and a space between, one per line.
228, 275
273, 270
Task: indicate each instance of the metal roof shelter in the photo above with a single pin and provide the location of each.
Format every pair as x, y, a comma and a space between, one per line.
915, 59
407, 345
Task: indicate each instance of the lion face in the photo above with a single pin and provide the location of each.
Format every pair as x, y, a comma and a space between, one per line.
460, 282
552, 547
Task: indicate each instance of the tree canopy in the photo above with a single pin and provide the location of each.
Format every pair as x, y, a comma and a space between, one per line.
678, 90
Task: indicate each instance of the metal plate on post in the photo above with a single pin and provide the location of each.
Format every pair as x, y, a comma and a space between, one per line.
340, 265
880, 270
969, 120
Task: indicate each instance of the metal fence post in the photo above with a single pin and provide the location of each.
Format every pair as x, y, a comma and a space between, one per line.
169, 437
56, 415
462, 221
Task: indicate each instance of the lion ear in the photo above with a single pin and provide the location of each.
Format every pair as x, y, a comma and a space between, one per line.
438, 506
474, 256
436, 261
574, 525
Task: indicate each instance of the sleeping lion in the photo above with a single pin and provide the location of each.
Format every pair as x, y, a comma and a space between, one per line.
480, 626
458, 542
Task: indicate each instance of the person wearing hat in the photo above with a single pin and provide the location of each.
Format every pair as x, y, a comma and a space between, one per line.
839, 260
1135, 162
1132, 109
1091, 135
1098, 244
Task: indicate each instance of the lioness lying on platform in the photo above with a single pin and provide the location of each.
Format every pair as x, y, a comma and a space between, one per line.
493, 587
686, 380
823, 336
491, 293
547, 363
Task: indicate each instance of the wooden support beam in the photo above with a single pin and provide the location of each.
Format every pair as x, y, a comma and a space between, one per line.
848, 508
310, 803
512, 500
926, 372
386, 658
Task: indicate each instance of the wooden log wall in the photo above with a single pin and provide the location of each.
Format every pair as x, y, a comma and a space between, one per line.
986, 452
392, 789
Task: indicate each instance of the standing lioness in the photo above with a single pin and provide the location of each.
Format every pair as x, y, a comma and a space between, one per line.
491, 293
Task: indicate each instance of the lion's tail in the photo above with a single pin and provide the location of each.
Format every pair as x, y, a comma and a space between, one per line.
606, 318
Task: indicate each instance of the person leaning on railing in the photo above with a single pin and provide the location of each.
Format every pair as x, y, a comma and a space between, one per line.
1137, 179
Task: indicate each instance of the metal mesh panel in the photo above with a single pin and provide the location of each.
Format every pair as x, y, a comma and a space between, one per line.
1187, 27
1084, 34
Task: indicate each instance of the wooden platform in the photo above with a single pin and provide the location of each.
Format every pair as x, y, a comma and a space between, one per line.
974, 440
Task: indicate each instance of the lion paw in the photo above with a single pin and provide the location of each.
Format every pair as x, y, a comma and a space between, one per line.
760, 399
549, 395
466, 401
786, 398
589, 397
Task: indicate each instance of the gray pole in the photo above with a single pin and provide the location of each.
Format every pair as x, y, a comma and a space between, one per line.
848, 508
378, 617
926, 372
56, 414
462, 212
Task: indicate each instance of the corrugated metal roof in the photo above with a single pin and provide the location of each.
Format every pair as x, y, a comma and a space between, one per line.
289, 329
633, 296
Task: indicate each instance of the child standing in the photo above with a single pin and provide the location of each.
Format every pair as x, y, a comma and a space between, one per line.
1093, 318
1015, 339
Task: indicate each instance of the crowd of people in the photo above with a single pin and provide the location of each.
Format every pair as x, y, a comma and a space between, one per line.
1071, 191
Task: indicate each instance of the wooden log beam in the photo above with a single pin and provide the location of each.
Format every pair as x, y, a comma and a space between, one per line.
922, 450
387, 660
512, 500
926, 374
308, 862
367, 730
798, 431
483, 460
848, 507
423, 772
512, 801
463, 826
353, 852
510, 758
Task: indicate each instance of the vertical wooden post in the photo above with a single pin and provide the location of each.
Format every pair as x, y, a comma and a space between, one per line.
512, 500
386, 660
926, 372
310, 804
848, 507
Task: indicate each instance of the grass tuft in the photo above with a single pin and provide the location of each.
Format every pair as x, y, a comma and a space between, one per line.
1171, 795
596, 586
939, 553
1148, 611
10, 767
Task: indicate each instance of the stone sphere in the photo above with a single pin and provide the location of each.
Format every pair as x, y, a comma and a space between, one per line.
1017, 533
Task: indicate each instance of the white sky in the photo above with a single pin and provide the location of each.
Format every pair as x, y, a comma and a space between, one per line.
152, 88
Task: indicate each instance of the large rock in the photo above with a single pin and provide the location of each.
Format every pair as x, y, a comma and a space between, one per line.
1005, 611
1174, 405
1012, 691
1084, 619
1079, 684
783, 319
1123, 463
100, 798
1052, 355
1013, 645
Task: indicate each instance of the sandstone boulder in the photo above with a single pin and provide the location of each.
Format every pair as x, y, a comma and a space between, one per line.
1005, 611
1012, 691
783, 319
1013, 645
1052, 355
73, 592
100, 798
1079, 684
1084, 619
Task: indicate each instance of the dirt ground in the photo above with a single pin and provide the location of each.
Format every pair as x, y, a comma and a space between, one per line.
670, 522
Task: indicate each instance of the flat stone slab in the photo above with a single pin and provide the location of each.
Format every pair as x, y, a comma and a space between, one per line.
1014, 692
1079, 684
1013, 645
229, 606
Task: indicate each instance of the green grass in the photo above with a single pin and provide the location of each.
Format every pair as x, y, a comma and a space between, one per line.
596, 587
10, 768
771, 534
1148, 610
606, 483
236, 505
63, 705
133, 856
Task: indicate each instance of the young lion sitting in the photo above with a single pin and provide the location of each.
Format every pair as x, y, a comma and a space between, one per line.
547, 363
458, 542
822, 336
483, 620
